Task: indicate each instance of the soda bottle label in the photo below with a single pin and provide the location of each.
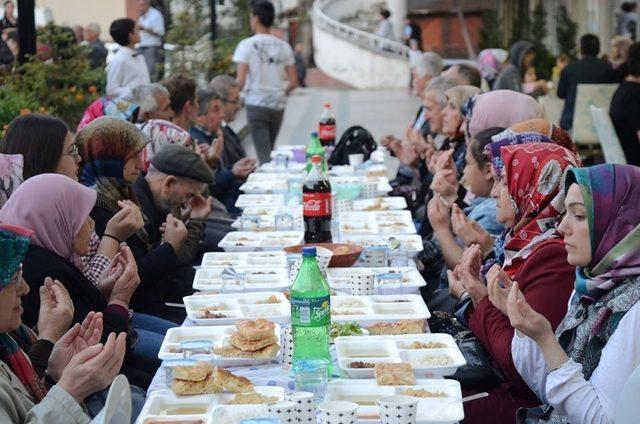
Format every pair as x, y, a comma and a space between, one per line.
316, 204
327, 132
310, 311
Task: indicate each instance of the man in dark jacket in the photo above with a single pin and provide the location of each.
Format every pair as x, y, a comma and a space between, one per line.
521, 55
588, 70
97, 51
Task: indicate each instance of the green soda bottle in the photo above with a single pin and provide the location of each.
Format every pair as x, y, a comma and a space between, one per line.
310, 311
315, 148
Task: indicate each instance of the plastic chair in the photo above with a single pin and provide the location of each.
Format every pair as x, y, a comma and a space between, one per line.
599, 95
627, 407
609, 141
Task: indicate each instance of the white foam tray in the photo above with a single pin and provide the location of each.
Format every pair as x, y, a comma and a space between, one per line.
243, 259
219, 336
375, 349
250, 241
257, 278
238, 306
368, 310
339, 278
246, 200
380, 204
215, 406
446, 410
410, 242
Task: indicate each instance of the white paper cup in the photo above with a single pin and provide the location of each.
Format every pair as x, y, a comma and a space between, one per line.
284, 411
286, 344
323, 258
369, 190
398, 409
356, 159
305, 406
362, 283
338, 412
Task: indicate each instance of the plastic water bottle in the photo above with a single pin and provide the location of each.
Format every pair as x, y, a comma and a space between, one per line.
310, 312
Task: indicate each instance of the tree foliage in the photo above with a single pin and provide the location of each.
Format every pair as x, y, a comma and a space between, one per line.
544, 61
491, 32
58, 80
567, 30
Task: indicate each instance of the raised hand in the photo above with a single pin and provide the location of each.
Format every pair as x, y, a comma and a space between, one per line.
438, 213
128, 281
199, 206
243, 167
469, 231
470, 273
77, 339
56, 310
456, 289
499, 285
126, 222
94, 368
524, 319
445, 182
175, 232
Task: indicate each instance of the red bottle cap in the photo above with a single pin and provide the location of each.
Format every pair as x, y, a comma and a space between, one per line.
316, 159
327, 105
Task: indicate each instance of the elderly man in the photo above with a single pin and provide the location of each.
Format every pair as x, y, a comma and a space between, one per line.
152, 30
229, 91
463, 74
154, 102
97, 51
208, 131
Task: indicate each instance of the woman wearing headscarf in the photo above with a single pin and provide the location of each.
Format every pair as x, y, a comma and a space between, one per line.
546, 128
490, 62
529, 195
57, 209
501, 108
449, 164
579, 371
161, 133
111, 163
76, 373
521, 55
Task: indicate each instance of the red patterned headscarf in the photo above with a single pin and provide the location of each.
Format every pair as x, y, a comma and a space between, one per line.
534, 175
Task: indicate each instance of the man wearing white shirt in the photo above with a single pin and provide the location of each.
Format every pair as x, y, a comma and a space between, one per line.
151, 23
264, 61
127, 69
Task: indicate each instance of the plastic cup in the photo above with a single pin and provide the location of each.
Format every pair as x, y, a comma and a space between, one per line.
398, 409
336, 412
362, 283
305, 406
356, 159
312, 375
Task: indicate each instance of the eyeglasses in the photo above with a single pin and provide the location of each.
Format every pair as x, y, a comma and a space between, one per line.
17, 276
73, 150
237, 101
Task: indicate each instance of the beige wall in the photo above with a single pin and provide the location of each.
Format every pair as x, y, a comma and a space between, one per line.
81, 12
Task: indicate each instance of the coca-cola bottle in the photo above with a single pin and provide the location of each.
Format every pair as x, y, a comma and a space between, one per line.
316, 204
327, 127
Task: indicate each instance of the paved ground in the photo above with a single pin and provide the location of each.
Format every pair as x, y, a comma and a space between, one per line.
380, 111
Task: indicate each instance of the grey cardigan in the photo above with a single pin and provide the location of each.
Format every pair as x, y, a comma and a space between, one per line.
58, 407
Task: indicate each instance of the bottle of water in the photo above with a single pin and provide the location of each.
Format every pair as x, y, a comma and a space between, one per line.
310, 312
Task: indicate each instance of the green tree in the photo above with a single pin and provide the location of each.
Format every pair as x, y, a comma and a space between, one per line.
567, 31
491, 32
521, 23
58, 80
544, 61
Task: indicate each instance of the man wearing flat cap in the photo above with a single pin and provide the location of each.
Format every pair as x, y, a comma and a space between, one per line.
175, 180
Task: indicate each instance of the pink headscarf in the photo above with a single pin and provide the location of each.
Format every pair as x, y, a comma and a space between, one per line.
500, 108
52, 205
162, 133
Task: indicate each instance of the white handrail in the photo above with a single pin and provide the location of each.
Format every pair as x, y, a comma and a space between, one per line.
361, 38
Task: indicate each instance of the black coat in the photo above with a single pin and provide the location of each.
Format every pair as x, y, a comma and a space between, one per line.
233, 150
589, 70
41, 263
155, 264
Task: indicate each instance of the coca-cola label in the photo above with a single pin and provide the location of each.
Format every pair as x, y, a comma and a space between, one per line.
316, 204
327, 132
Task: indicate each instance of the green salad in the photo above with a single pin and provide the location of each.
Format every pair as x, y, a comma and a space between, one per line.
345, 329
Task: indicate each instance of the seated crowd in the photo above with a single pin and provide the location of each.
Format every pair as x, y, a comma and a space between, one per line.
530, 257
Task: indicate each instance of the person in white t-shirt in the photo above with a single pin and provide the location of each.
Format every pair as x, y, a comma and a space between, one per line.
127, 69
264, 61
152, 30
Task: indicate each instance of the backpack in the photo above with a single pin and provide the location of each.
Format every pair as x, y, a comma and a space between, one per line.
354, 140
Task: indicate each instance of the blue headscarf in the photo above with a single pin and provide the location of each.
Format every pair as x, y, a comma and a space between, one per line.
14, 245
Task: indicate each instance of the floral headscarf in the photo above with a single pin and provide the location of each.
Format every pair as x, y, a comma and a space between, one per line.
611, 196
542, 126
105, 145
11, 167
503, 139
14, 245
162, 133
490, 62
535, 176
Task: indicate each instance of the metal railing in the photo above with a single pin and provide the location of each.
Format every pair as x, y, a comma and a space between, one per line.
358, 37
